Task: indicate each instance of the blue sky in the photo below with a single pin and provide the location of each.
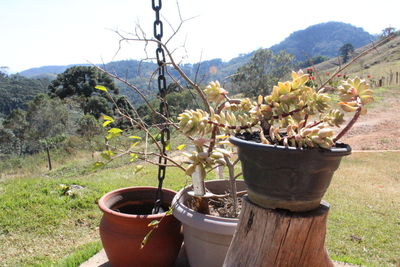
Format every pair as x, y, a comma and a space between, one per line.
60, 32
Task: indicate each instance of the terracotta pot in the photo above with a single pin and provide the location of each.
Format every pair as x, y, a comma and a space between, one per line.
206, 238
122, 232
287, 178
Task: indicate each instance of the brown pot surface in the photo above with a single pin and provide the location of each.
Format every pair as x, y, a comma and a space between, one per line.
122, 233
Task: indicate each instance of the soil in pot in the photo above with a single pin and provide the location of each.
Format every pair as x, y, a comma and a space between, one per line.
221, 207
136, 208
126, 215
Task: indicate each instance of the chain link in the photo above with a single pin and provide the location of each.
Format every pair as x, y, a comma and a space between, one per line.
165, 133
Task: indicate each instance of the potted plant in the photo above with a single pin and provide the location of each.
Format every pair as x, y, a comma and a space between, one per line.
207, 210
286, 141
286, 144
124, 228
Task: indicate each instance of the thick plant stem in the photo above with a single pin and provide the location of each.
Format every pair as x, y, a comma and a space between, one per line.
199, 189
201, 205
349, 125
232, 185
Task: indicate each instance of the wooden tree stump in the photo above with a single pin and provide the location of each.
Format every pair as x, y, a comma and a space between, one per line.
267, 237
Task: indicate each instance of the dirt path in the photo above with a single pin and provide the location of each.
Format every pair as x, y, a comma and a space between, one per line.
380, 128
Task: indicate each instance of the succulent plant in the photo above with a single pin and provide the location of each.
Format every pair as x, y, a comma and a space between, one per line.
294, 114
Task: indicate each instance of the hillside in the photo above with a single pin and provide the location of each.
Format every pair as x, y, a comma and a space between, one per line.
17, 90
381, 62
47, 71
323, 39
379, 129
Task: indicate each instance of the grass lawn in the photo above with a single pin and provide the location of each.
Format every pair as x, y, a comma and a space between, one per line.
41, 225
364, 221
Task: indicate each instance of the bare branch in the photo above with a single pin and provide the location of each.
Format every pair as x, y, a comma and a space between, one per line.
367, 51
176, 67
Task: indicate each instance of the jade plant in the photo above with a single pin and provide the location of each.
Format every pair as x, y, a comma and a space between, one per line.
297, 114
293, 115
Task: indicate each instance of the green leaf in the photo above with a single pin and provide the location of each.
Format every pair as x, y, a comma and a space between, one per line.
101, 87
133, 157
107, 118
98, 164
137, 168
135, 137
168, 146
107, 123
107, 154
226, 142
169, 211
180, 147
153, 223
146, 239
157, 137
115, 130
134, 144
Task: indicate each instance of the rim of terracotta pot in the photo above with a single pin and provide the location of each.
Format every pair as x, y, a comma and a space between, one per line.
103, 200
219, 225
338, 149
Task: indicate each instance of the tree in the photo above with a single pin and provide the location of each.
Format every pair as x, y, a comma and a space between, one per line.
96, 105
89, 126
345, 52
4, 69
263, 71
7, 138
80, 82
47, 119
312, 61
387, 32
51, 142
16, 91
16, 125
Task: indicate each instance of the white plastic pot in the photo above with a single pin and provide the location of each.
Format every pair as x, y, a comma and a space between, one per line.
206, 237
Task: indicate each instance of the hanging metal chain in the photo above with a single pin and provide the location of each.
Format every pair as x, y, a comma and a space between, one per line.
162, 91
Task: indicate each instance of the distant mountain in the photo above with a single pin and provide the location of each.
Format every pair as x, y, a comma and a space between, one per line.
47, 71
323, 39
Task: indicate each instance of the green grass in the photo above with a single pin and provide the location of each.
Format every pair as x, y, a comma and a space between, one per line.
365, 204
40, 225
79, 256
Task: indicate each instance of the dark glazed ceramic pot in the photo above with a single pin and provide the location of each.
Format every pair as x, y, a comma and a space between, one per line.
287, 178
126, 215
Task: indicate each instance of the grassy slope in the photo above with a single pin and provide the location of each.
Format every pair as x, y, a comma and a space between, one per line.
378, 63
40, 225
365, 204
